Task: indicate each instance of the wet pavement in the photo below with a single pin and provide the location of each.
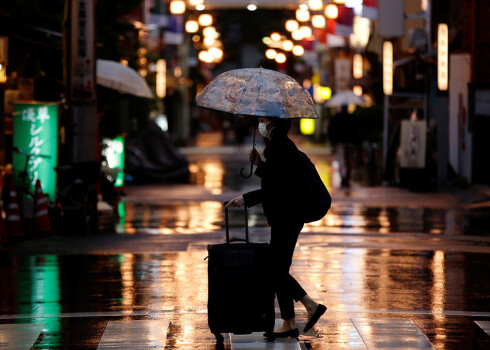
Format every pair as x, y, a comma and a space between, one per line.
396, 269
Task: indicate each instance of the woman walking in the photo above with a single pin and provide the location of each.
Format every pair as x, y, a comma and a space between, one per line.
282, 195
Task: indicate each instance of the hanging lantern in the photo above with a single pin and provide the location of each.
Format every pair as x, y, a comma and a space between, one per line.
297, 35
318, 21
270, 54
208, 41
209, 32
191, 26
292, 25
306, 31
302, 15
205, 19
287, 45
177, 7
161, 78
298, 50
387, 67
315, 5
205, 57
280, 58
216, 52
331, 11
357, 66
275, 36
362, 31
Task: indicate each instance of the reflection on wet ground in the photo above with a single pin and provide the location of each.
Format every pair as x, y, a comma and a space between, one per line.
198, 217
395, 269
219, 177
373, 296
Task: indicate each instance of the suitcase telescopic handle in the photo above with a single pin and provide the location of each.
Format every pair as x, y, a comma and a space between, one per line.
228, 229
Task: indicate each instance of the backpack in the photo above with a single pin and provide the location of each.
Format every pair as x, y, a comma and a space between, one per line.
317, 199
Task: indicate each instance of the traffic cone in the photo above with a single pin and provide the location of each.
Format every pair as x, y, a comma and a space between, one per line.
41, 215
14, 226
3, 229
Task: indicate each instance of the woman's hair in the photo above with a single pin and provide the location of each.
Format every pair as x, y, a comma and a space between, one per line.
281, 126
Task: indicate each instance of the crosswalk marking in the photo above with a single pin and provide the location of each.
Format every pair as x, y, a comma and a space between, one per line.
391, 333
256, 340
485, 325
135, 335
19, 336
355, 332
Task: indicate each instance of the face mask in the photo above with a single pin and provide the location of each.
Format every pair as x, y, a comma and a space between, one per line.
263, 130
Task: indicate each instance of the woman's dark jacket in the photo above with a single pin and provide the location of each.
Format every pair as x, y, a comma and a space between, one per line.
282, 192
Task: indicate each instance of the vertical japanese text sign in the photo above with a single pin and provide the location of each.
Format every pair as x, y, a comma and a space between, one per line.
36, 139
442, 56
413, 143
82, 50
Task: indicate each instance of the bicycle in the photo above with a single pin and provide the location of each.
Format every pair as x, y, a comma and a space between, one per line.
75, 204
23, 186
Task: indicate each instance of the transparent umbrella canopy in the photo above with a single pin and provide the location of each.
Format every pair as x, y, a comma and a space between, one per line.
345, 98
257, 92
114, 75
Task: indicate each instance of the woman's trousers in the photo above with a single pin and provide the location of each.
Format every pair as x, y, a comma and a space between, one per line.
283, 241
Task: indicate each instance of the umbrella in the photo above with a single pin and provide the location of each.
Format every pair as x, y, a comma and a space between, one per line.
114, 75
257, 92
345, 98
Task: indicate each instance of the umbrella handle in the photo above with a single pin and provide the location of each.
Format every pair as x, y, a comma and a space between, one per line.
251, 163
251, 171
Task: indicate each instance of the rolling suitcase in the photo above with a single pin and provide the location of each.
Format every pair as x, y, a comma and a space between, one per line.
240, 294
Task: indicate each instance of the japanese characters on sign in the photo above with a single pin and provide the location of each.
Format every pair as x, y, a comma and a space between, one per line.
35, 138
442, 56
413, 143
82, 51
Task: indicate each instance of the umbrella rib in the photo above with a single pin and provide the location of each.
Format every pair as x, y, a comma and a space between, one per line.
283, 101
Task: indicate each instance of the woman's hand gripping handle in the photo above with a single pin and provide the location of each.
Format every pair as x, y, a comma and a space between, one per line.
236, 202
254, 157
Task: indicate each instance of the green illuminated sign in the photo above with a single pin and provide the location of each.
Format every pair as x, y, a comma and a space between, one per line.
113, 151
36, 146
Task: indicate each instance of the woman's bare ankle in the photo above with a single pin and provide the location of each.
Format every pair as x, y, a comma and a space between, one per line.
309, 304
287, 325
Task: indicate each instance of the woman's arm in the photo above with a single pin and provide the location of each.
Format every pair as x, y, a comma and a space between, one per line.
252, 198
249, 199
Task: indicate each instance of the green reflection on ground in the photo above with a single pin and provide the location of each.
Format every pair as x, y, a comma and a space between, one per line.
39, 292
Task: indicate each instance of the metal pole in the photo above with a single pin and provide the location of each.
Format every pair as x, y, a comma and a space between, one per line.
442, 118
385, 129
2, 125
79, 78
185, 120
79, 74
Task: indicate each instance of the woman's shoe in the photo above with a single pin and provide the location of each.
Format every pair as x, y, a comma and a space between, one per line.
292, 333
320, 310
